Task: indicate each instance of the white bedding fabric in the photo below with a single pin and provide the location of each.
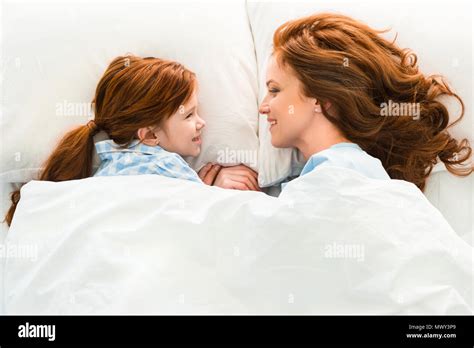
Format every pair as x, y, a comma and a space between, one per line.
176, 247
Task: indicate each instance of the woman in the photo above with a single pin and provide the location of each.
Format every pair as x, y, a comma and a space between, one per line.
333, 88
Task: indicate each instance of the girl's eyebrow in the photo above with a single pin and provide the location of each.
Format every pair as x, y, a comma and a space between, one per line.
188, 111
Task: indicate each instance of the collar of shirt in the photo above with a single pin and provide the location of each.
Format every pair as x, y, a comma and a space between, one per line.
107, 146
319, 157
350, 156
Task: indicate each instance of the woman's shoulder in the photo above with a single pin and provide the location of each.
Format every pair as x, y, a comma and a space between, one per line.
350, 156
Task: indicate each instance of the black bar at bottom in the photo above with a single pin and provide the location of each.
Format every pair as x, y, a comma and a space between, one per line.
449, 331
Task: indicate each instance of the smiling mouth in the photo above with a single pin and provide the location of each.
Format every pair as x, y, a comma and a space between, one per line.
197, 139
272, 123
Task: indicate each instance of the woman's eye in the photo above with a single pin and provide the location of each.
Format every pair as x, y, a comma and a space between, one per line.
189, 115
274, 91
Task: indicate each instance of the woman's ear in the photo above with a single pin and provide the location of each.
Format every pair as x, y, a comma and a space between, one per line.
147, 136
317, 106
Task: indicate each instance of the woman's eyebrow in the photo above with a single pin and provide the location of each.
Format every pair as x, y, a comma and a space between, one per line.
270, 81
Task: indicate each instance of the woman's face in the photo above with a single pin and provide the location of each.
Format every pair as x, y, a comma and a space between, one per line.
288, 111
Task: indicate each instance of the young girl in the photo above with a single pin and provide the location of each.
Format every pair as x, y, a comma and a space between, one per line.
148, 108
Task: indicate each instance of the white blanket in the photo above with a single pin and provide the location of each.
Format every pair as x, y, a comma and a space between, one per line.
333, 242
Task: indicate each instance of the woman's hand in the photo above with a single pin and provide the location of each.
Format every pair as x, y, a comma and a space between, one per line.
238, 177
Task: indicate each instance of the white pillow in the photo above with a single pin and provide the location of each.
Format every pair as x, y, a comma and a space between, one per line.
55, 54
442, 42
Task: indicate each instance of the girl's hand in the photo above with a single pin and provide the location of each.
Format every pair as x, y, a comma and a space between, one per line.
209, 172
238, 177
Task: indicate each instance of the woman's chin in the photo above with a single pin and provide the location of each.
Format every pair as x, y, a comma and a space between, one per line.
277, 142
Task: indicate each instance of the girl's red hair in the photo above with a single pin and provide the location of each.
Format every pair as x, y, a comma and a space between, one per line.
133, 93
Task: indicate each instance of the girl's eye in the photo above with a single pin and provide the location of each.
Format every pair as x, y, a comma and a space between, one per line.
274, 91
189, 115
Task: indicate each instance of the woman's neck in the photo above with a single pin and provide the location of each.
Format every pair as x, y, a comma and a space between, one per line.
309, 148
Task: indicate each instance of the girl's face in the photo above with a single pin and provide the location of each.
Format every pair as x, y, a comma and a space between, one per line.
181, 133
287, 110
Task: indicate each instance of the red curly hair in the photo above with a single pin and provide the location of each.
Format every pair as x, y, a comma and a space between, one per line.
345, 62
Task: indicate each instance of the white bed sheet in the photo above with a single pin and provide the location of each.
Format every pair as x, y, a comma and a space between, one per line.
333, 242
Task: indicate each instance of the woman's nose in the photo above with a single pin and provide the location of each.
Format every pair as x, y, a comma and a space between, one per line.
264, 109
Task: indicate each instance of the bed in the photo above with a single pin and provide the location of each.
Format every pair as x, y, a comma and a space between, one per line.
238, 252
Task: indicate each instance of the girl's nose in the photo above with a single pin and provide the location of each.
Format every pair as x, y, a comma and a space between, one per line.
264, 109
201, 123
